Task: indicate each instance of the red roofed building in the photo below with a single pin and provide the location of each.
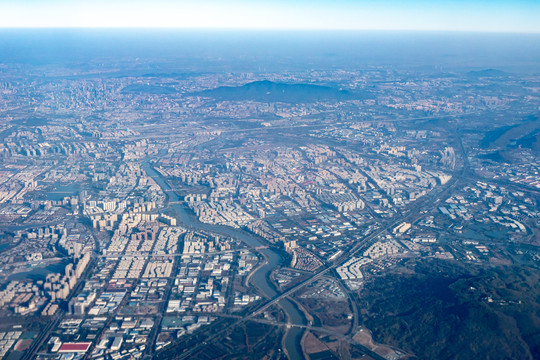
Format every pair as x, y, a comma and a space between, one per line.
74, 347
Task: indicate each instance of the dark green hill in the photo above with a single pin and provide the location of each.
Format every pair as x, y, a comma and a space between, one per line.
509, 136
445, 311
269, 91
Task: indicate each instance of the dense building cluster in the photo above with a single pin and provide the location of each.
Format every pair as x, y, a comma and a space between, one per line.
141, 214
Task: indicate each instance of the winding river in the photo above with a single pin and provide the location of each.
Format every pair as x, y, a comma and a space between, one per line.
261, 277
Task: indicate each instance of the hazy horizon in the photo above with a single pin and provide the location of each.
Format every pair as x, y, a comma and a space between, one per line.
264, 50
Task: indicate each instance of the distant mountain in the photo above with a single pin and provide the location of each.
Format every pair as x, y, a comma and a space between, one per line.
269, 91
487, 73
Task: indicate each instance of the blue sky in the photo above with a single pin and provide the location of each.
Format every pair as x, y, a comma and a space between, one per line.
445, 15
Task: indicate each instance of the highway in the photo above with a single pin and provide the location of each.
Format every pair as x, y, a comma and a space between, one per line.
411, 214
319, 329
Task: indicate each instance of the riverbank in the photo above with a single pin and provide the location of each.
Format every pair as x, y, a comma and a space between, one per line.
260, 278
